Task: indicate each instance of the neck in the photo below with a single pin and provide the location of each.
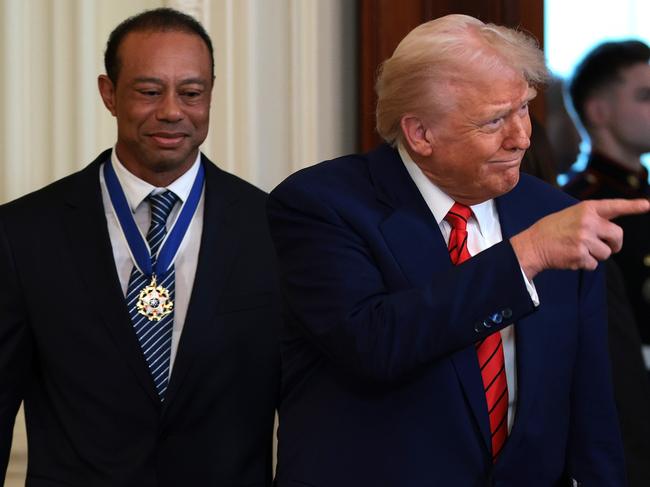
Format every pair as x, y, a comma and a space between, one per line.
628, 158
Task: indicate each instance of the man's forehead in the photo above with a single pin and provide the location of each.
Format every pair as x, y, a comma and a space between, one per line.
156, 34
151, 43
501, 107
640, 73
134, 41
159, 57
489, 73
629, 80
501, 90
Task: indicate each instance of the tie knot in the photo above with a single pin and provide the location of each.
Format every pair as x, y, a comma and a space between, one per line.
458, 216
161, 206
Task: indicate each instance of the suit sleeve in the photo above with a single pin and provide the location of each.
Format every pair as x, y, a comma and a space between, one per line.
595, 449
336, 292
15, 349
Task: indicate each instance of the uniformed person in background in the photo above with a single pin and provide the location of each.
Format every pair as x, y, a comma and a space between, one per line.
610, 92
629, 375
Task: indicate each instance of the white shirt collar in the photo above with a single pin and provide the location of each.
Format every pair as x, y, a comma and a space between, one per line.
136, 190
440, 202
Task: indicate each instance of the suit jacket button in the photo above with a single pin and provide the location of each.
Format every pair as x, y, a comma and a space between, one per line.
506, 313
496, 318
487, 323
478, 327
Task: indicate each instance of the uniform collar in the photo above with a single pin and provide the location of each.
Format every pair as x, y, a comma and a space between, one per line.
632, 181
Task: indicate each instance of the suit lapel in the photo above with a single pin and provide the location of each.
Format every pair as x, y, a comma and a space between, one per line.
220, 241
86, 227
409, 228
411, 232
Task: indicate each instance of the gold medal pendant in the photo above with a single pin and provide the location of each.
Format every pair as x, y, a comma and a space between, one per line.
155, 301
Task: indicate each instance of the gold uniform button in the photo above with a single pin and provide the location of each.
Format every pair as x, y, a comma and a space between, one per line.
633, 181
646, 260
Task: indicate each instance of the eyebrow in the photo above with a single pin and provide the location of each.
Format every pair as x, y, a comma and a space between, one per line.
504, 111
158, 81
530, 95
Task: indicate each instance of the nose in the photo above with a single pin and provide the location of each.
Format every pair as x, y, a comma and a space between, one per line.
169, 109
517, 135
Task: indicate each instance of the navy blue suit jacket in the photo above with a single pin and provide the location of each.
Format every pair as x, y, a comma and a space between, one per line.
381, 384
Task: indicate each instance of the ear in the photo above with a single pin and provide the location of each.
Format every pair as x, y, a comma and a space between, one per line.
597, 110
415, 135
107, 92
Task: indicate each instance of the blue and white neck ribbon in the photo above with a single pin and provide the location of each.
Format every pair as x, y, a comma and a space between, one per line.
138, 246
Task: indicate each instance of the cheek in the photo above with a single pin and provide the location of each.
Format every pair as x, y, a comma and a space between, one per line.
630, 112
482, 155
135, 116
200, 118
626, 124
644, 114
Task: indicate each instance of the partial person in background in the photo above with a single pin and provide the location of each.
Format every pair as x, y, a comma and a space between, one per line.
629, 377
610, 93
560, 128
445, 313
539, 160
143, 361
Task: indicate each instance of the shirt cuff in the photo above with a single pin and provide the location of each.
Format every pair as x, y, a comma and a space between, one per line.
530, 287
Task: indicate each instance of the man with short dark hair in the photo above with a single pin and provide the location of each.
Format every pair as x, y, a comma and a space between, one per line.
610, 92
138, 299
445, 315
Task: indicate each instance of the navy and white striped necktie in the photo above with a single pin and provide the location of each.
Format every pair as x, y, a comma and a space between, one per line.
155, 337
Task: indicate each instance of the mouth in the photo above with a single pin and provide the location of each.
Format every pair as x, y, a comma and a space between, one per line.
168, 140
507, 162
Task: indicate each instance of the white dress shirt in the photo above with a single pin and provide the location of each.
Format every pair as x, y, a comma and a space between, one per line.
136, 190
483, 231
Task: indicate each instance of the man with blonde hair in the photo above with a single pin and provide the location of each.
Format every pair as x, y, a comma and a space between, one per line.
445, 314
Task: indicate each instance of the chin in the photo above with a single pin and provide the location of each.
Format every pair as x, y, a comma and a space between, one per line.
504, 188
510, 181
163, 164
500, 184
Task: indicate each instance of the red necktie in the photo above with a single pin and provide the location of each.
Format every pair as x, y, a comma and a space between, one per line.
490, 349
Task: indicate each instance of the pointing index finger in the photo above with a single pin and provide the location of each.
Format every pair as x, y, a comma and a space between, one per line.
614, 208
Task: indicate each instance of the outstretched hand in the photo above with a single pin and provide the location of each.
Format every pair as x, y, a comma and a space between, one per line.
576, 237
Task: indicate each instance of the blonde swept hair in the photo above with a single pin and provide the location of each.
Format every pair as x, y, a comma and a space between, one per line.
444, 49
